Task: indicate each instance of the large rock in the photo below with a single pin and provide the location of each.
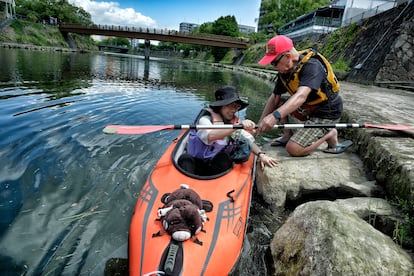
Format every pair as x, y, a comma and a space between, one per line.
378, 160
317, 176
326, 238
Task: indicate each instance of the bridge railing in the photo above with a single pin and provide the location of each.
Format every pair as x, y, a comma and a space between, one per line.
154, 31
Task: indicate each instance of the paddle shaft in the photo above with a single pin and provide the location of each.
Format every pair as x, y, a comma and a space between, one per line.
286, 126
124, 129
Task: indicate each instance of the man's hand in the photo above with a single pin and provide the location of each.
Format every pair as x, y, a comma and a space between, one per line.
267, 123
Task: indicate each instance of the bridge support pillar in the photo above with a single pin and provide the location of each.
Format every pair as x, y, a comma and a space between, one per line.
147, 49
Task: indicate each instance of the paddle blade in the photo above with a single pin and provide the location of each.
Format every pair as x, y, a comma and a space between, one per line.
120, 129
390, 127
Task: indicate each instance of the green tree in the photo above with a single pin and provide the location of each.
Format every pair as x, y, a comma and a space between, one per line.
118, 41
205, 28
228, 26
165, 45
280, 12
256, 37
39, 10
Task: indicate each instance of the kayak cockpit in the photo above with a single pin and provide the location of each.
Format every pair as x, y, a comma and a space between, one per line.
181, 148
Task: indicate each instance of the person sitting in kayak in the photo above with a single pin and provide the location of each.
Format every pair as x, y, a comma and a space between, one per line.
209, 151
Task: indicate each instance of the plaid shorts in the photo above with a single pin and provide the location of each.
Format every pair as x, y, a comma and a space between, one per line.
307, 136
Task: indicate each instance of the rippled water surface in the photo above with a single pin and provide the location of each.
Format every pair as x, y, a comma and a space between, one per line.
67, 191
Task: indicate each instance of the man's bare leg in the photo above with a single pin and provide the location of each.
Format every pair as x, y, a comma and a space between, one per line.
297, 150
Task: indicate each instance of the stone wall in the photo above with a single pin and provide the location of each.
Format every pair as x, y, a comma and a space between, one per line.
383, 50
399, 62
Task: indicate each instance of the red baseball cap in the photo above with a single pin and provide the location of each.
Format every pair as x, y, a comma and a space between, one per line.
276, 46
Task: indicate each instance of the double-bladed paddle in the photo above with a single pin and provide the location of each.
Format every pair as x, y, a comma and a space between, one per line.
124, 129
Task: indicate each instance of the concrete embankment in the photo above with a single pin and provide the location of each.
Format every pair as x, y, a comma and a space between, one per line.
37, 47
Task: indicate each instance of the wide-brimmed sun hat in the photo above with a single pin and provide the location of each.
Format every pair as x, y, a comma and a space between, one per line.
275, 47
227, 95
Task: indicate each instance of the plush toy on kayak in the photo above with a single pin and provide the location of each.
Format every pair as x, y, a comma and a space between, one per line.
183, 215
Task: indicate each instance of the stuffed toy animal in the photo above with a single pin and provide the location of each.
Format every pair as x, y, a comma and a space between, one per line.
182, 216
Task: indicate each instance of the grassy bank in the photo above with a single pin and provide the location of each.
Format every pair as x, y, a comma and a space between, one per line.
24, 32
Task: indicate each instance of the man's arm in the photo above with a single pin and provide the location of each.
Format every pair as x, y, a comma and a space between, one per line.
295, 101
272, 103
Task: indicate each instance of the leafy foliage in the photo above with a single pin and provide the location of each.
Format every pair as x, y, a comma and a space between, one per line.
280, 12
404, 229
205, 28
25, 32
42, 10
340, 39
225, 25
341, 64
119, 41
257, 37
228, 26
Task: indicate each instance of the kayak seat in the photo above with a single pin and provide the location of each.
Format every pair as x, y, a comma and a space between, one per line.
186, 163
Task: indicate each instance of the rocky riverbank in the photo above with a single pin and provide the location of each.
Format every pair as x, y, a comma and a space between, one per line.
341, 214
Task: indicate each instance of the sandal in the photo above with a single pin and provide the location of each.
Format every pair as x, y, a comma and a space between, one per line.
338, 148
278, 143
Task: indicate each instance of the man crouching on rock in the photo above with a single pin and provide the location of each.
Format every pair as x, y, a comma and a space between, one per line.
314, 98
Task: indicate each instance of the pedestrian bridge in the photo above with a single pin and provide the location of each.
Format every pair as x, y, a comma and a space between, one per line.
156, 34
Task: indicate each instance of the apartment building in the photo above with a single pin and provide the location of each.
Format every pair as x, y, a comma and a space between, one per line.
186, 27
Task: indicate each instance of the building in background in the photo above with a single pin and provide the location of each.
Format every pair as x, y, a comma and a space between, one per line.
313, 24
246, 29
327, 18
264, 28
9, 8
356, 10
187, 27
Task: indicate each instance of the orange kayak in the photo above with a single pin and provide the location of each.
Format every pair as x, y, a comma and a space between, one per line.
213, 251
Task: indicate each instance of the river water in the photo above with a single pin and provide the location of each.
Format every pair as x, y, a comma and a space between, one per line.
67, 191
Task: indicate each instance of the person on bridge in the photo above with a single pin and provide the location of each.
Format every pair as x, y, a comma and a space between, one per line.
314, 98
210, 151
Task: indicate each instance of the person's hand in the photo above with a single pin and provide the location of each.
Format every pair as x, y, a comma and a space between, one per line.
248, 125
267, 161
267, 123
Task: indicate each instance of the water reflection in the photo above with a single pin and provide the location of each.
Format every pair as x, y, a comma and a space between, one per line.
11, 201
